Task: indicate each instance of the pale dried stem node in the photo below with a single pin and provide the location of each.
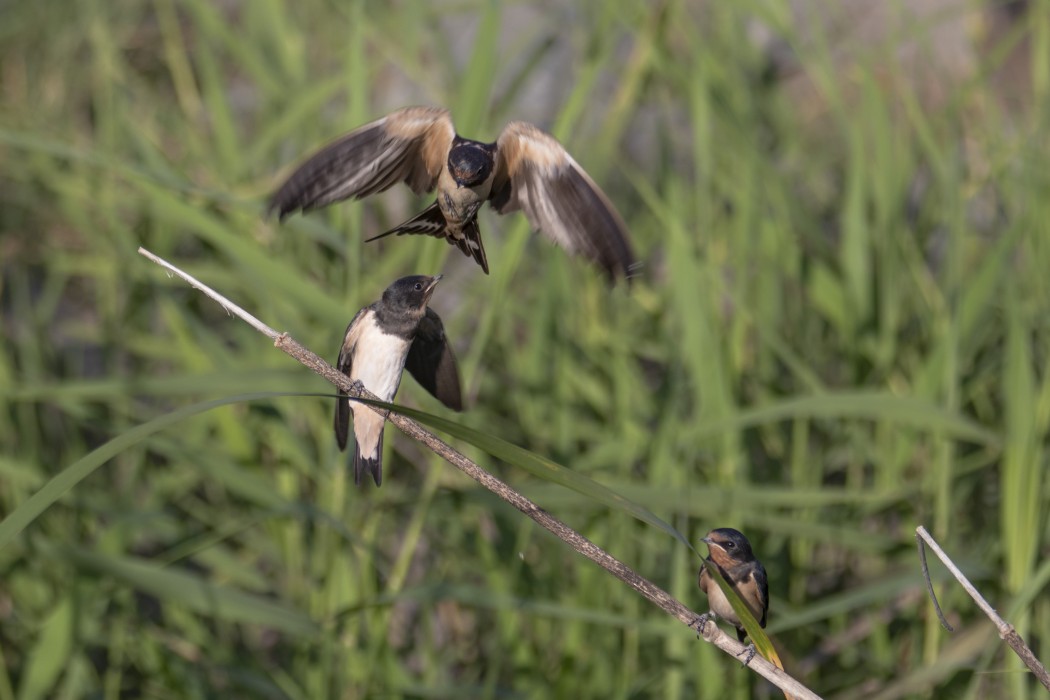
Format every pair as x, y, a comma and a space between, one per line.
1006, 630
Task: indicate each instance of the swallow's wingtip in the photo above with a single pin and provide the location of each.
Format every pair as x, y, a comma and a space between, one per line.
274, 209
632, 272
626, 273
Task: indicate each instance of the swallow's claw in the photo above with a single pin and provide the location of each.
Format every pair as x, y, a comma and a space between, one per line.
750, 651
700, 623
359, 386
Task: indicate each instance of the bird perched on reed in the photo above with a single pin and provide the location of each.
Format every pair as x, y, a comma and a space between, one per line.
731, 553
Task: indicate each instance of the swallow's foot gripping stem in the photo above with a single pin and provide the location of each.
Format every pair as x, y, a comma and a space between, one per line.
701, 622
750, 651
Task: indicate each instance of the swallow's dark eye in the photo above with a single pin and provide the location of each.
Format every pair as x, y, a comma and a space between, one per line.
729, 545
419, 287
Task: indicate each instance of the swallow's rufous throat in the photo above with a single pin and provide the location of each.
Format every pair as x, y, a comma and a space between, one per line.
524, 169
399, 331
731, 553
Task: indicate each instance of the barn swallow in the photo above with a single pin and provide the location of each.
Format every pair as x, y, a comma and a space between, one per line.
384, 338
524, 169
731, 553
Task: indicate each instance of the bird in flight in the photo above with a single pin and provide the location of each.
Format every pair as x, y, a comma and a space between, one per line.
397, 332
524, 169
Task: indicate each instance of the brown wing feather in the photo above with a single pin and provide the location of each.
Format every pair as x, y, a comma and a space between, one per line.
409, 145
535, 174
431, 362
761, 598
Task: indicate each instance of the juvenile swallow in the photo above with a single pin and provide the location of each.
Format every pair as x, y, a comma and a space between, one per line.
384, 338
731, 553
524, 169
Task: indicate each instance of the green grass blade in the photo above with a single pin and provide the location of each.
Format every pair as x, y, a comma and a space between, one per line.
24, 515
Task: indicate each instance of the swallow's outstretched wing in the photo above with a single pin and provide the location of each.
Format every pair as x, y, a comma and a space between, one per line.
535, 174
431, 362
410, 145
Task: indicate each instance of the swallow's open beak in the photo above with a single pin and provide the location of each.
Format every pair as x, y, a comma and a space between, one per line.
430, 287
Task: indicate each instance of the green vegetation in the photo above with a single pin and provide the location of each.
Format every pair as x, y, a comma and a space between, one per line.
842, 331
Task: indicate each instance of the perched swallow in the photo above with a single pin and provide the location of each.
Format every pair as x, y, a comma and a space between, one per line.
524, 169
384, 338
731, 553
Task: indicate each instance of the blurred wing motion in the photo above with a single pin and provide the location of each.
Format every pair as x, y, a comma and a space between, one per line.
431, 362
527, 170
410, 145
535, 174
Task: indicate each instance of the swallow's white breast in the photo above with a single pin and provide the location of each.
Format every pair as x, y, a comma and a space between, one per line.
379, 359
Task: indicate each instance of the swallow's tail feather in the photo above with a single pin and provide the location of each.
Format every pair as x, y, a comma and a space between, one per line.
471, 244
373, 465
431, 222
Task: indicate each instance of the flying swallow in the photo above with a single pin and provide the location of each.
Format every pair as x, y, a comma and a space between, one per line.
524, 169
731, 553
384, 338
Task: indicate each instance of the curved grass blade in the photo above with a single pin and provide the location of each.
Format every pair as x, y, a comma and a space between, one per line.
22, 516
874, 405
193, 591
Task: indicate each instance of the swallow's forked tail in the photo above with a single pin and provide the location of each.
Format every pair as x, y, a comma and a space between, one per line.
431, 222
372, 465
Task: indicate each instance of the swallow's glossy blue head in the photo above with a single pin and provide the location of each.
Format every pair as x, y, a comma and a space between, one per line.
470, 163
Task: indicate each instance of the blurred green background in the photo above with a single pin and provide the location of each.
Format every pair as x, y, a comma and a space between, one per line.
841, 331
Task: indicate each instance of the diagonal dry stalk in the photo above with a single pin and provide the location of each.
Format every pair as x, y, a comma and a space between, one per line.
1006, 631
661, 598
